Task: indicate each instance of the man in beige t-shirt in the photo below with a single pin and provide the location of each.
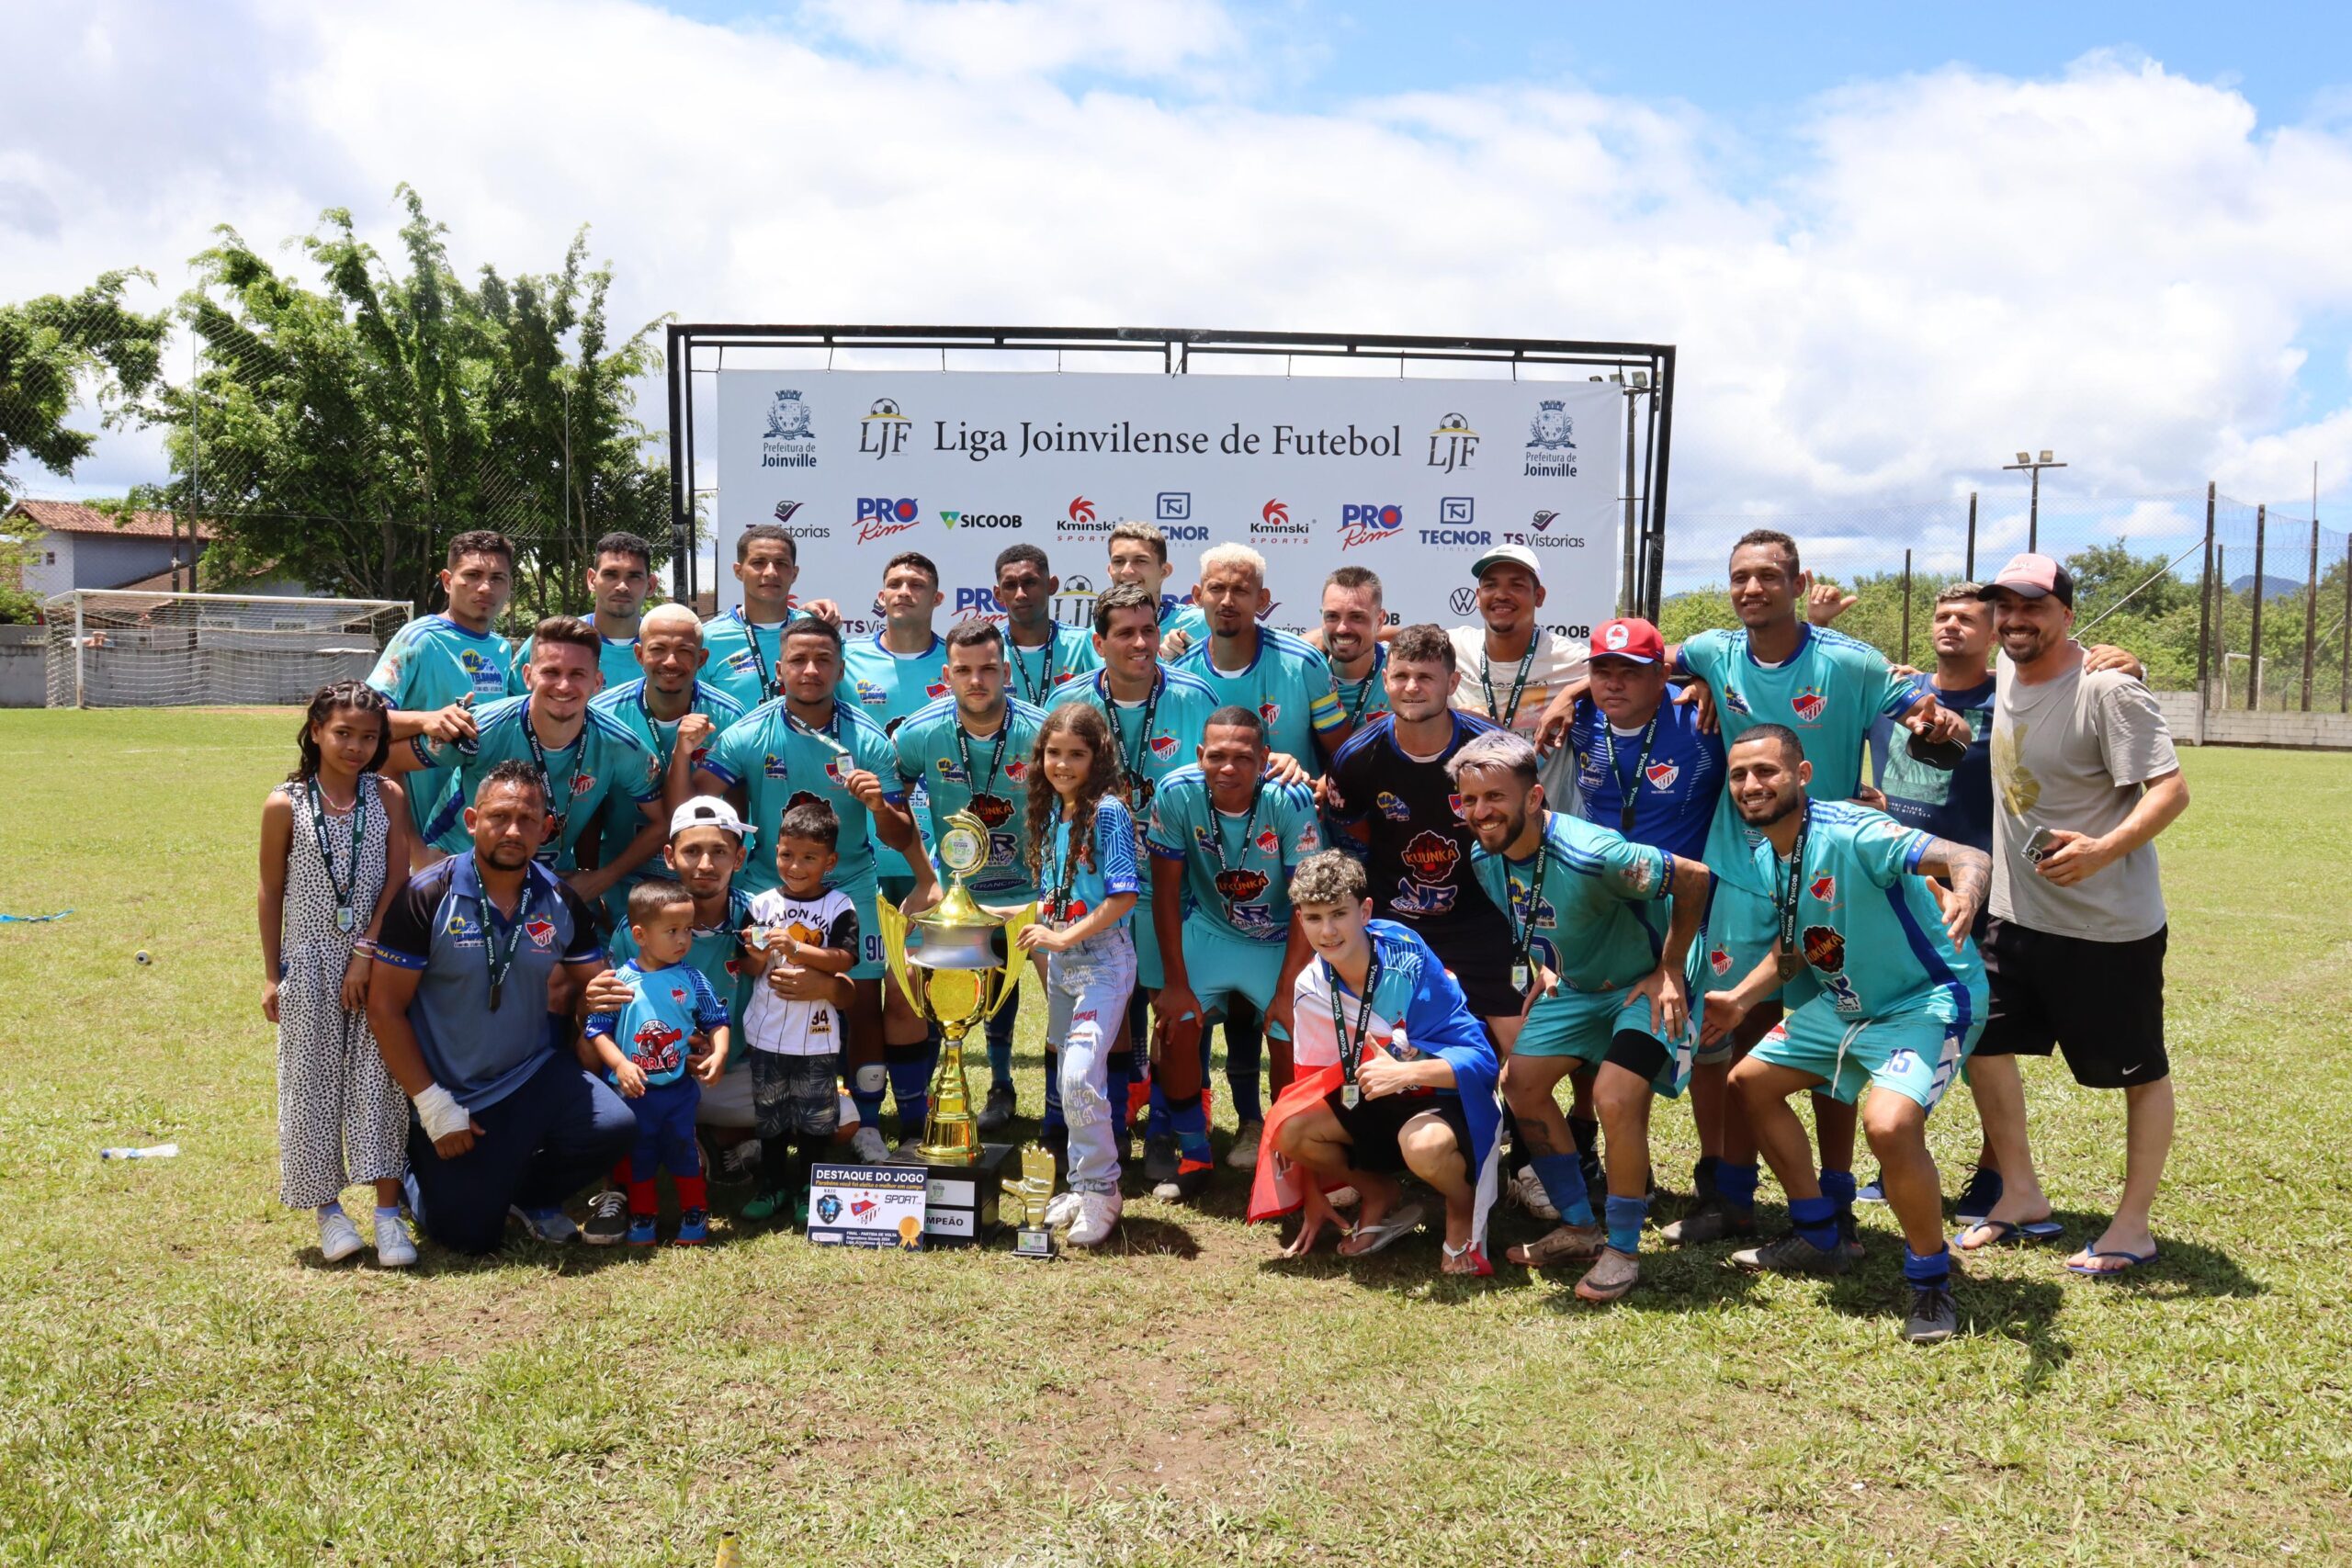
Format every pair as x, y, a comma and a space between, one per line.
1507, 666
2084, 779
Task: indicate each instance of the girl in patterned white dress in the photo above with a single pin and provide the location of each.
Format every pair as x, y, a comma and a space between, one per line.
334, 853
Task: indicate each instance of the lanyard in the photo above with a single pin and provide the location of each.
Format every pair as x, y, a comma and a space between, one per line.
830, 736
1518, 685
1036, 694
1351, 1039
1626, 792
1134, 757
1248, 826
499, 966
344, 916
761, 667
553, 848
1380, 663
1522, 914
964, 751
1792, 958
662, 749
1057, 906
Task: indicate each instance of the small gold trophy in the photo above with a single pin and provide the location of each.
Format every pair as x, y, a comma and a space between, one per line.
954, 979
1029, 1197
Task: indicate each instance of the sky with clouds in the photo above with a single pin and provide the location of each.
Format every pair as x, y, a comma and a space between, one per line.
1892, 247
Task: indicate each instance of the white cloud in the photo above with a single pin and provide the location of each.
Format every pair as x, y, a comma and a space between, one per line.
2115, 260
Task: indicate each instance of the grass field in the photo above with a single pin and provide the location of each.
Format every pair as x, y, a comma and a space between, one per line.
182, 1381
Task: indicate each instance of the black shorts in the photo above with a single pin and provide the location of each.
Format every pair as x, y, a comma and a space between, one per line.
2101, 1003
1372, 1127
1481, 965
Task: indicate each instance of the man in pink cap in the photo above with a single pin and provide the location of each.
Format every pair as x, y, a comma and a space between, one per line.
2084, 779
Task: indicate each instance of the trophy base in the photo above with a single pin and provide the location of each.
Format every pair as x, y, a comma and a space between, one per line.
960, 1208
1038, 1243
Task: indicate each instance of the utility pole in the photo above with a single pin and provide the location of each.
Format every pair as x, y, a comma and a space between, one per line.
2028, 463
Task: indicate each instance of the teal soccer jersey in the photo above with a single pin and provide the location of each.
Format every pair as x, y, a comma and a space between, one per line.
779, 762
888, 688
1038, 672
603, 760
1870, 929
1182, 615
1830, 691
1289, 685
1582, 918
988, 775
1110, 870
1363, 701
1236, 865
626, 703
430, 664
656, 1030
716, 954
743, 657
615, 658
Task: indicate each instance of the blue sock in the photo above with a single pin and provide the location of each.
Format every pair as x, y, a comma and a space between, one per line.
1815, 1219
1156, 1121
1837, 1185
1563, 1181
1735, 1185
1192, 1127
1626, 1217
388, 1212
1118, 1072
1000, 1045
331, 1206
1053, 1091
1933, 1269
911, 1068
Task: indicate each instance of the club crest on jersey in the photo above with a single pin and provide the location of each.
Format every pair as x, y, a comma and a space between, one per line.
1809, 704
1270, 711
1662, 776
772, 767
833, 769
1431, 856
1017, 771
1719, 961
1269, 842
582, 783
676, 995
1164, 747
1453, 804
1393, 809
541, 931
1824, 889
935, 690
1414, 901
655, 1044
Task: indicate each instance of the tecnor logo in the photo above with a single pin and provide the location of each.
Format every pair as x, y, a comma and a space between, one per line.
1364, 522
879, 516
1274, 524
882, 433
981, 519
789, 441
1452, 444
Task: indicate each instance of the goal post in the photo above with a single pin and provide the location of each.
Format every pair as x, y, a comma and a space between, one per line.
119, 647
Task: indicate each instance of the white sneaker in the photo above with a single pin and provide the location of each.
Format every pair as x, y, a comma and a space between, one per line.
1243, 1154
394, 1249
1529, 1194
338, 1237
869, 1147
1062, 1210
1098, 1212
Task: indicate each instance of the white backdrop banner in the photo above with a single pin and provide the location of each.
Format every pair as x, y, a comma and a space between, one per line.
1413, 479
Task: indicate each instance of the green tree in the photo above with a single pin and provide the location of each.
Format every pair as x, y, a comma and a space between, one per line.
2104, 574
344, 434
53, 352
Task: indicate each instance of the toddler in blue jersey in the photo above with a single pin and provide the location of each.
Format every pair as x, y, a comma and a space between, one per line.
658, 1051
1082, 848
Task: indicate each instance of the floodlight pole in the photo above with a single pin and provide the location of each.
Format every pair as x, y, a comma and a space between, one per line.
2033, 507
80, 637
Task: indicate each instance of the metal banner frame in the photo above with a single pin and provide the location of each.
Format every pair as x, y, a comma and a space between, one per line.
1645, 370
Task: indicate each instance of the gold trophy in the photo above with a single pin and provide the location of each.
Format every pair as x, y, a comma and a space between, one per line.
954, 979
1029, 1196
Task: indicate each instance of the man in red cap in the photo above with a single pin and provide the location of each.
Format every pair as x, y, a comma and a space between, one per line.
2084, 779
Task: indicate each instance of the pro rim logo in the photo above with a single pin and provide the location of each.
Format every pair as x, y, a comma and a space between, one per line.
1364, 523
879, 516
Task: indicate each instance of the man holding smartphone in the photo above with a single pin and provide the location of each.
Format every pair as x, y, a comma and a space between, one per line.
2084, 779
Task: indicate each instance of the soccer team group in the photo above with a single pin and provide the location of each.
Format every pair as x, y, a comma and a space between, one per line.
606, 907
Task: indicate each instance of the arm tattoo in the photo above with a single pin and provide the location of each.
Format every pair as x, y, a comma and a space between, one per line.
1970, 871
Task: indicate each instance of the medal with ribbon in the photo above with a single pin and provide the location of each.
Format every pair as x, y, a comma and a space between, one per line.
1352, 1041
345, 917
1789, 958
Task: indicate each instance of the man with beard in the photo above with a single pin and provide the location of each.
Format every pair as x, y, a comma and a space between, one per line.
1353, 622
745, 643
1510, 666
1897, 1003
619, 577
1603, 972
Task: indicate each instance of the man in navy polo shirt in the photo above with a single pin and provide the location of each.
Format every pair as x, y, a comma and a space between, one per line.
505, 1120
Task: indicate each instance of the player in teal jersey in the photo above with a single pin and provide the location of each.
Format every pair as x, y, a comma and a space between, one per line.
435, 668
1828, 689
1043, 654
745, 642
1278, 676
1604, 969
581, 756
806, 745
673, 713
1139, 555
1353, 624
971, 751
1232, 834
1898, 1001
619, 577
891, 674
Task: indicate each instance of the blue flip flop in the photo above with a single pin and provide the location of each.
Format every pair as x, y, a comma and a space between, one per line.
2131, 1261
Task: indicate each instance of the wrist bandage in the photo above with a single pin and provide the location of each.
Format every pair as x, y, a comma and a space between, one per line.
438, 1109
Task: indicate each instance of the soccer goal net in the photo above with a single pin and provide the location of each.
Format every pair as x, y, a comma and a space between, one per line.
120, 649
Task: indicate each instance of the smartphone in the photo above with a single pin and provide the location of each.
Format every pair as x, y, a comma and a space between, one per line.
2038, 845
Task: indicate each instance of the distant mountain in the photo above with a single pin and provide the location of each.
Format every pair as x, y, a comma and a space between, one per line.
2272, 587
